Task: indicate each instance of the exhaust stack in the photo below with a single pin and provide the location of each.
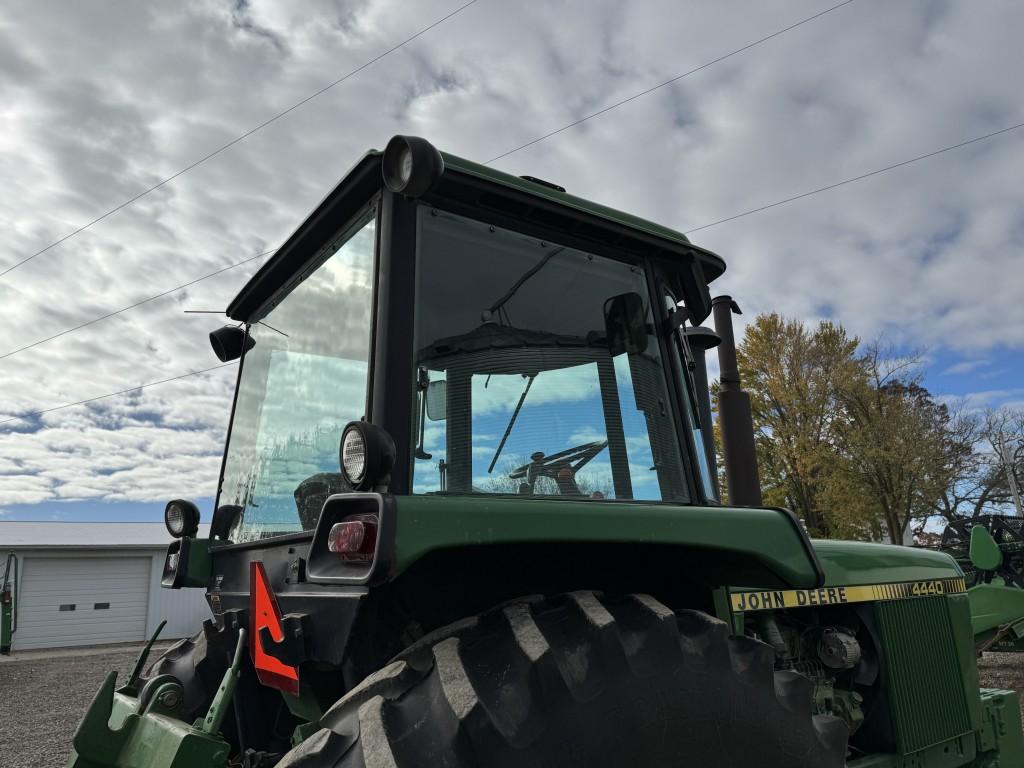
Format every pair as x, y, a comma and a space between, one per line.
734, 418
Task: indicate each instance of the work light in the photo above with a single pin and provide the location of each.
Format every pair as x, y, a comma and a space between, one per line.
229, 342
181, 518
367, 455
411, 165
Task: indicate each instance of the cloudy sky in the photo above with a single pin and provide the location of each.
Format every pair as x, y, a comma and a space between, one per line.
99, 101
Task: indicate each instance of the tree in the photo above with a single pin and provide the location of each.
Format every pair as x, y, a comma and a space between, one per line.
897, 444
797, 379
980, 485
856, 445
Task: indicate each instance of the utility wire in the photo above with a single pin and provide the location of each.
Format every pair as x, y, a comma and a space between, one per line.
237, 139
653, 88
856, 178
695, 229
136, 304
689, 231
115, 394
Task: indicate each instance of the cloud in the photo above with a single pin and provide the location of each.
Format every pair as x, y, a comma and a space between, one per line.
991, 398
966, 366
99, 106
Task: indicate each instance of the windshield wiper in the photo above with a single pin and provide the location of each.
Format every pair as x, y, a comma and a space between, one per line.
489, 312
511, 422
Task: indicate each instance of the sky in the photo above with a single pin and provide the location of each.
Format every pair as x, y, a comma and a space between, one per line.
100, 101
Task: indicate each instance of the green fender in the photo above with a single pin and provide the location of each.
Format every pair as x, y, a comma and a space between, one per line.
752, 545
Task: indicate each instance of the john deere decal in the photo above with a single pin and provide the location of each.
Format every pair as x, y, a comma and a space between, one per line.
764, 600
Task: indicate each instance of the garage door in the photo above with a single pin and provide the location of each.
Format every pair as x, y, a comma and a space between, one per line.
82, 601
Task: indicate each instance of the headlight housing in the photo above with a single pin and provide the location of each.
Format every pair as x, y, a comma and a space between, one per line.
366, 455
181, 518
411, 165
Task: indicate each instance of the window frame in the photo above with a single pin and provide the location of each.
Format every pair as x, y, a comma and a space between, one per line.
657, 283
316, 259
673, 340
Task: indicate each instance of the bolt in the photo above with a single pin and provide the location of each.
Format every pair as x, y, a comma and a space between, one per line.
169, 699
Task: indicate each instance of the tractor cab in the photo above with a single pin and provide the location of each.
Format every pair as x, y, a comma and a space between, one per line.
507, 343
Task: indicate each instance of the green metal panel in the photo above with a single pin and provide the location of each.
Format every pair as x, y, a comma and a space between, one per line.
967, 658
995, 604
998, 744
1001, 731
766, 537
454, 163
984, 552
923, 675
848, 563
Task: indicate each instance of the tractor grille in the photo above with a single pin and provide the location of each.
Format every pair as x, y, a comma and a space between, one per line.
926, 691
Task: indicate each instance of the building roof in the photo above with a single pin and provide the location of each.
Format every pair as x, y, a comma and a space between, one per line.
18, 534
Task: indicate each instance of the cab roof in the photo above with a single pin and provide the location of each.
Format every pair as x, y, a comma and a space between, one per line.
471, 184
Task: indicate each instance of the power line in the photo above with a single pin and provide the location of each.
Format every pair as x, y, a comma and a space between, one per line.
862, 176
695, 229
136, 304
115, 394
856, 178
237, 139
635, 96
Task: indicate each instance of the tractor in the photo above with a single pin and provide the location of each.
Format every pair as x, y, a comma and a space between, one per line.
468, 515
990, 550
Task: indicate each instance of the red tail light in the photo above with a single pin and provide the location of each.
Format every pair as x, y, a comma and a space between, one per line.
354, 539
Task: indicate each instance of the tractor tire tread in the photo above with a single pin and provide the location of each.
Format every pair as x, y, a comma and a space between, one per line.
574, 680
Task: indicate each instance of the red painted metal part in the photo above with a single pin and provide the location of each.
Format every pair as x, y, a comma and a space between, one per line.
264, 612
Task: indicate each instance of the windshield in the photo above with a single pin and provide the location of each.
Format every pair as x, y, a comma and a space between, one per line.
303, 378
539, 372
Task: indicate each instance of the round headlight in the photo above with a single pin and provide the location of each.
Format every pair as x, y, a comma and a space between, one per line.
367, 456
411, 165
353, 456
405, 165
181, 518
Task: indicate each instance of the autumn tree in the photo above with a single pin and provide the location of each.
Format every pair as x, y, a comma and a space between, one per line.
796, 378
896, 449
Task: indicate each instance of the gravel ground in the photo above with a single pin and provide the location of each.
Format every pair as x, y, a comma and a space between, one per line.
1003, 670
42, 699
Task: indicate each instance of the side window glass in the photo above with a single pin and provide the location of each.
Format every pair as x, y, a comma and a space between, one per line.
692, 416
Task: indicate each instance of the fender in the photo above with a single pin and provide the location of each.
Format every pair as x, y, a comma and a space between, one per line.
730, 545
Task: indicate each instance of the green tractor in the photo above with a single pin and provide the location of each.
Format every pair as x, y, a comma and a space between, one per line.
468, 516
990, 550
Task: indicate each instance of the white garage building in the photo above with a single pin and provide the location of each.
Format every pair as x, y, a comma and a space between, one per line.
94, 583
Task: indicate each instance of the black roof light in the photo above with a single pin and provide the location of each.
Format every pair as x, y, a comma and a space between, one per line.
228, 342
411, 165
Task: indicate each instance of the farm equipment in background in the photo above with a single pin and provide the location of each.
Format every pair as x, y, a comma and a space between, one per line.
990, 550
594, 603
9, 603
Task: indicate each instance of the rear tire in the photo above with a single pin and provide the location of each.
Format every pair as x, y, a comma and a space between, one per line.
578, 680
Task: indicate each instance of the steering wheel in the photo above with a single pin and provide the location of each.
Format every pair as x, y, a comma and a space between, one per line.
560, 467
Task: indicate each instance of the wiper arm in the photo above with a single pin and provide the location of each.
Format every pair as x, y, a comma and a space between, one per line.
511, 422
519, 283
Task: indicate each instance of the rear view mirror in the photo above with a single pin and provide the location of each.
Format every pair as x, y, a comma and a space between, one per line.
625, 322
437, 400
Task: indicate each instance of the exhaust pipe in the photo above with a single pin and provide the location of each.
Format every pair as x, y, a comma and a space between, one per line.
734, 418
